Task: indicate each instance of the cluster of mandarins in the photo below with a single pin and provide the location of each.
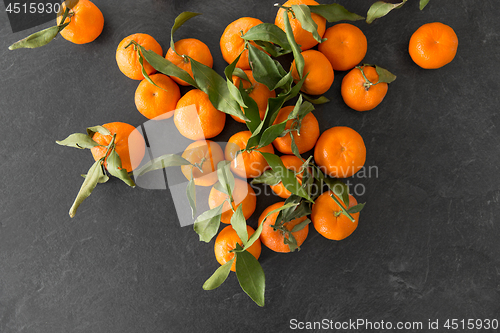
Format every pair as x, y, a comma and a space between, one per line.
340, 151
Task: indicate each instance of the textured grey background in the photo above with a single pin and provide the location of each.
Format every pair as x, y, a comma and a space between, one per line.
427, 242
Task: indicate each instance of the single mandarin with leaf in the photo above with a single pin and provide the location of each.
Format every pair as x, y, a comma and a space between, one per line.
128, 59
85, 21
246, 163
303, 37
328, 219
231, 43
340, 152
433, 45
259, 92
345, 46
226, 242
192, 48
243, 195
157, 102
319, 72
275, 239
305, 133
205, 154
196, 118
129, 144
361, 89
293, 163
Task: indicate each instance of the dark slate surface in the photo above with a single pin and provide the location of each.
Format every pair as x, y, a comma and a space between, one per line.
427, 243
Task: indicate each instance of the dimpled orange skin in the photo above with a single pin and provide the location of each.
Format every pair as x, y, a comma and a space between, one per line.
248, 164
328, 220
196, 118
320, 73
274, 240
303, 37
208, 151
433, 45
243, 194
345, 46
130, 145
155, 103
226, 241
127, 59
340, 152
86, 23
309, 133
293, 163
356, 96
231, 43
259, 92
192, 48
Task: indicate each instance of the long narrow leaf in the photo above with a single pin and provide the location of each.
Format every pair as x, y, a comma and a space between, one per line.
219, 276
251, 276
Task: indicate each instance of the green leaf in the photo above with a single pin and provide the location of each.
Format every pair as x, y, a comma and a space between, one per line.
164, 66
356, 209
268, 177
144, 73
268, 32
216, 88
423, 3
339, 188
271, 133
344, 210
241, 74
301, 225
380, 9
273, 50
305, 108
303, 14
239, 224
288, 177
384, 75
302, 209
285, 83
293, 145
102, 179
219, 276
93, 175
251, 111
264, 68
97, 129
161, 162
235, 92
258, 231
114, 167
37, 39
290, 240
299, 59
207, 224
251, 276
319, 100
334, 13
191, 194
225, 176
179, 21
220, 188
78, 140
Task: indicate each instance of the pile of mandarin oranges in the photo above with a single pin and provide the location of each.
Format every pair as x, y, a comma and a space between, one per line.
339, 151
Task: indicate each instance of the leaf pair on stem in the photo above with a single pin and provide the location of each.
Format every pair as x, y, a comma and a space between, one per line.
109, 163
